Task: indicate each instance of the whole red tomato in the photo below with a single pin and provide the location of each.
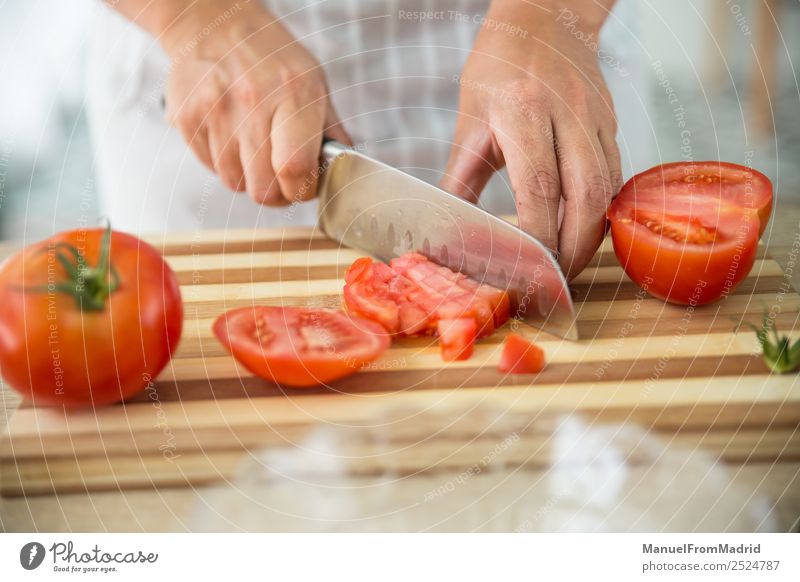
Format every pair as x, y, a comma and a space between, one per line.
688, 232
87, 317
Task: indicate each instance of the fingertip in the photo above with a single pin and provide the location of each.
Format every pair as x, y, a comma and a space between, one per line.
232, 179
296, 173
266, 193
458, 187
569, 268
305, 189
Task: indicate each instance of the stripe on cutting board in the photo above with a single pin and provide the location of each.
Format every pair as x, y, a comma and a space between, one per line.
769, 271
203, 468
197, 346
427, 357
198, 340
201, 242
295, 239
121, 439
298, 407
464, 378
225, 298
431, 457
302, 265
203, 248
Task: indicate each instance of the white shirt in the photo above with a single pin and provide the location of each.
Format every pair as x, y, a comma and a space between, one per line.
390, 73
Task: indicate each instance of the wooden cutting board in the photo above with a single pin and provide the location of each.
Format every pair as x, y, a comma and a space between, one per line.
683, 373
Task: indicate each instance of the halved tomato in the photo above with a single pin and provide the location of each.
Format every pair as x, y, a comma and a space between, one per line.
457, 338
520, 356
687, 232
300, 347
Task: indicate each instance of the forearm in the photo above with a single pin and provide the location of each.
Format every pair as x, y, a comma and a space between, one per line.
177, 24
156, 16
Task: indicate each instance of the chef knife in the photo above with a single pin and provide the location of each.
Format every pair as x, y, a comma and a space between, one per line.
369, 205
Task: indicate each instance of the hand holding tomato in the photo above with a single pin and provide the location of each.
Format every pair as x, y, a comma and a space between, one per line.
87, 317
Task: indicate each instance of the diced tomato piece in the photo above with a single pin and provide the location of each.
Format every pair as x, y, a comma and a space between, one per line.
520, 356
411, 294
413, 319
360, 301
499, 302
360, 269
401, 287
440, 283
476, 309
382, 272
456, 304
456, 338
407, 260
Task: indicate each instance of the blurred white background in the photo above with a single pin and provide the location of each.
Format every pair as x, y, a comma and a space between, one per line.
717, 55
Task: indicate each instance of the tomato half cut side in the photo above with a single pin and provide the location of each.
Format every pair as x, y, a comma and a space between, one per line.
520, 356
688, 233
457, 338
300, 347
740, 187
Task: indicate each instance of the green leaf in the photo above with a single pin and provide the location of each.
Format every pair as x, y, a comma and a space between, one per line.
780, 355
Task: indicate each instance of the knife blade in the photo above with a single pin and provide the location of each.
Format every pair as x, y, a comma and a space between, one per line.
369, 205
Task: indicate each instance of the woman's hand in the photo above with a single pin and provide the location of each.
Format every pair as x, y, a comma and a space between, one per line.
249, 100
535, 101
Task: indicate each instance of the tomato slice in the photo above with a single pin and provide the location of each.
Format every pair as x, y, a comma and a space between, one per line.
411, 294
300, 347
360, 269
457, 338
497, 299
453, 300
362, 301
520, 356
688, 232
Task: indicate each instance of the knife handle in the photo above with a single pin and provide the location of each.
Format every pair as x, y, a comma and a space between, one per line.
331, 149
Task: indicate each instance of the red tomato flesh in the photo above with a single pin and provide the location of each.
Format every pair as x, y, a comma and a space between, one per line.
733, 186
410, 295
520, 356
688, 232
300, 347
457, 338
